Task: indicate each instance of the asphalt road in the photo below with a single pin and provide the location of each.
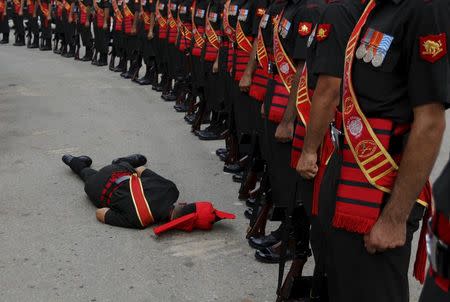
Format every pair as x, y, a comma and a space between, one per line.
51, 246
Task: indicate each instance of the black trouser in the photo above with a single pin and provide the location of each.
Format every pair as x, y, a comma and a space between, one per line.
86, 35
101, 40
432, 293
33, 26
69, 31
4, 26
359, 276
18, 25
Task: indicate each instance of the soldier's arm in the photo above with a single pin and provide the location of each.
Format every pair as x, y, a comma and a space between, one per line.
22, 3
105, 21
136, 19
152, 26
246, 80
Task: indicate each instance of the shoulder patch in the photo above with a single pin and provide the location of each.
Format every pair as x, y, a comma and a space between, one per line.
304, 28
433, 47
323, 31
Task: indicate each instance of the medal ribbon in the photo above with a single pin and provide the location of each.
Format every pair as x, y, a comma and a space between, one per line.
210, 32
242, 40
261, 51
380, 169
199, 41
170, 18
229, 30
282, 60
161, 20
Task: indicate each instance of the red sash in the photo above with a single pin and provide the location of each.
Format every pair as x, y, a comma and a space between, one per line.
30, 4
228, 29
83, 13
128, 18
140, 202
243, 41
66, 6
286, 68
146, 16
17, 6
118, 16
170, 18
211, 34
59, 9
261, 52
369, 171
161, 20
99, 15
46, 12
199, 41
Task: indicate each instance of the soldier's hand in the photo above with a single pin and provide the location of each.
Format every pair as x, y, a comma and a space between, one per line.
245, 82
307, 165
215, 67
105, 26
263, 111
385, 234
86, 24
150, 35
284, 132
133, 30
20, 13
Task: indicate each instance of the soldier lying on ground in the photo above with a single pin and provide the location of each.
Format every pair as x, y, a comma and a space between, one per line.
132, 196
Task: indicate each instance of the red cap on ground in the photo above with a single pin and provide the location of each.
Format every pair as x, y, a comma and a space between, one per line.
203, 218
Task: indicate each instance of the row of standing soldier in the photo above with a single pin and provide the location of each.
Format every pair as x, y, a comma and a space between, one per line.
278, 78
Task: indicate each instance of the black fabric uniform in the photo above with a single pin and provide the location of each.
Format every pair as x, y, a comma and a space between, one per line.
404, 80
198, 76
18, 24
101, 35
69, 27
160, 193
146, 46
4, 26
32, 21
213, 81
85, 31
283, 178
161, 43
326, 57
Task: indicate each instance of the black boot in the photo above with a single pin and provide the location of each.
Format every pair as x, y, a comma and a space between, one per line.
121, 67
71, 52
29, 40
77, 163
63, 49
147, 78
88, 55
47, 45
55, 46
103, 61
94, 58
20, 40
111, 62
5, 39
135, 71
166, 84
128, 73
157, 84
35, 43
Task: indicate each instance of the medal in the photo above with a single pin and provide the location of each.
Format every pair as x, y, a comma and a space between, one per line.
361, 51
378, 59
311, 37
368, 56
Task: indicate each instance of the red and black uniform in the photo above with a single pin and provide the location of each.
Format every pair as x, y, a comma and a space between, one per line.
393, 57
57, 19
289, 46
118, 47
101, 32
146, 47
199, 8
4, 26
174, 63
17, 17
69, 28
32, 25
437, 286
213, 35
184, 20
161, 25
84, 27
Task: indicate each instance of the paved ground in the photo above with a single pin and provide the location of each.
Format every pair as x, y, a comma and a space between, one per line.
53, 249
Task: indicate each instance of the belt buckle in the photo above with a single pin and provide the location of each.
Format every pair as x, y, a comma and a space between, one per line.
270, 68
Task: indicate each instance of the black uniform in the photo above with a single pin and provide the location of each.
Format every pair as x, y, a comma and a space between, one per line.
109, 187
390, 86
84, 27
146, 46
4, 26
101, 32
59, 27
17, 17
69, 29
32, 24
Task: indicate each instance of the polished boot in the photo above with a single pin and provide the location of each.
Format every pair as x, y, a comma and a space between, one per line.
5, 39
94, 60
88, 55
71, 52
103, 61
265, 241
35, 43
112, 62
167, 86
238, 177
55, 46
63, 49
20, 40
47, 45
121, 67
135, 160
29, 36
272, 254
135, 72
77, 163
147, 78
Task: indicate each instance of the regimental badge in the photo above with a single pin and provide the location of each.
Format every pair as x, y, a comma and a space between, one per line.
243, 14
183, 10
200, 13
212, 17
323, 31
355, 126
264, 21
365, 149
260, 12
285, 25
373, 47
433, 47
233, 10
304, 28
